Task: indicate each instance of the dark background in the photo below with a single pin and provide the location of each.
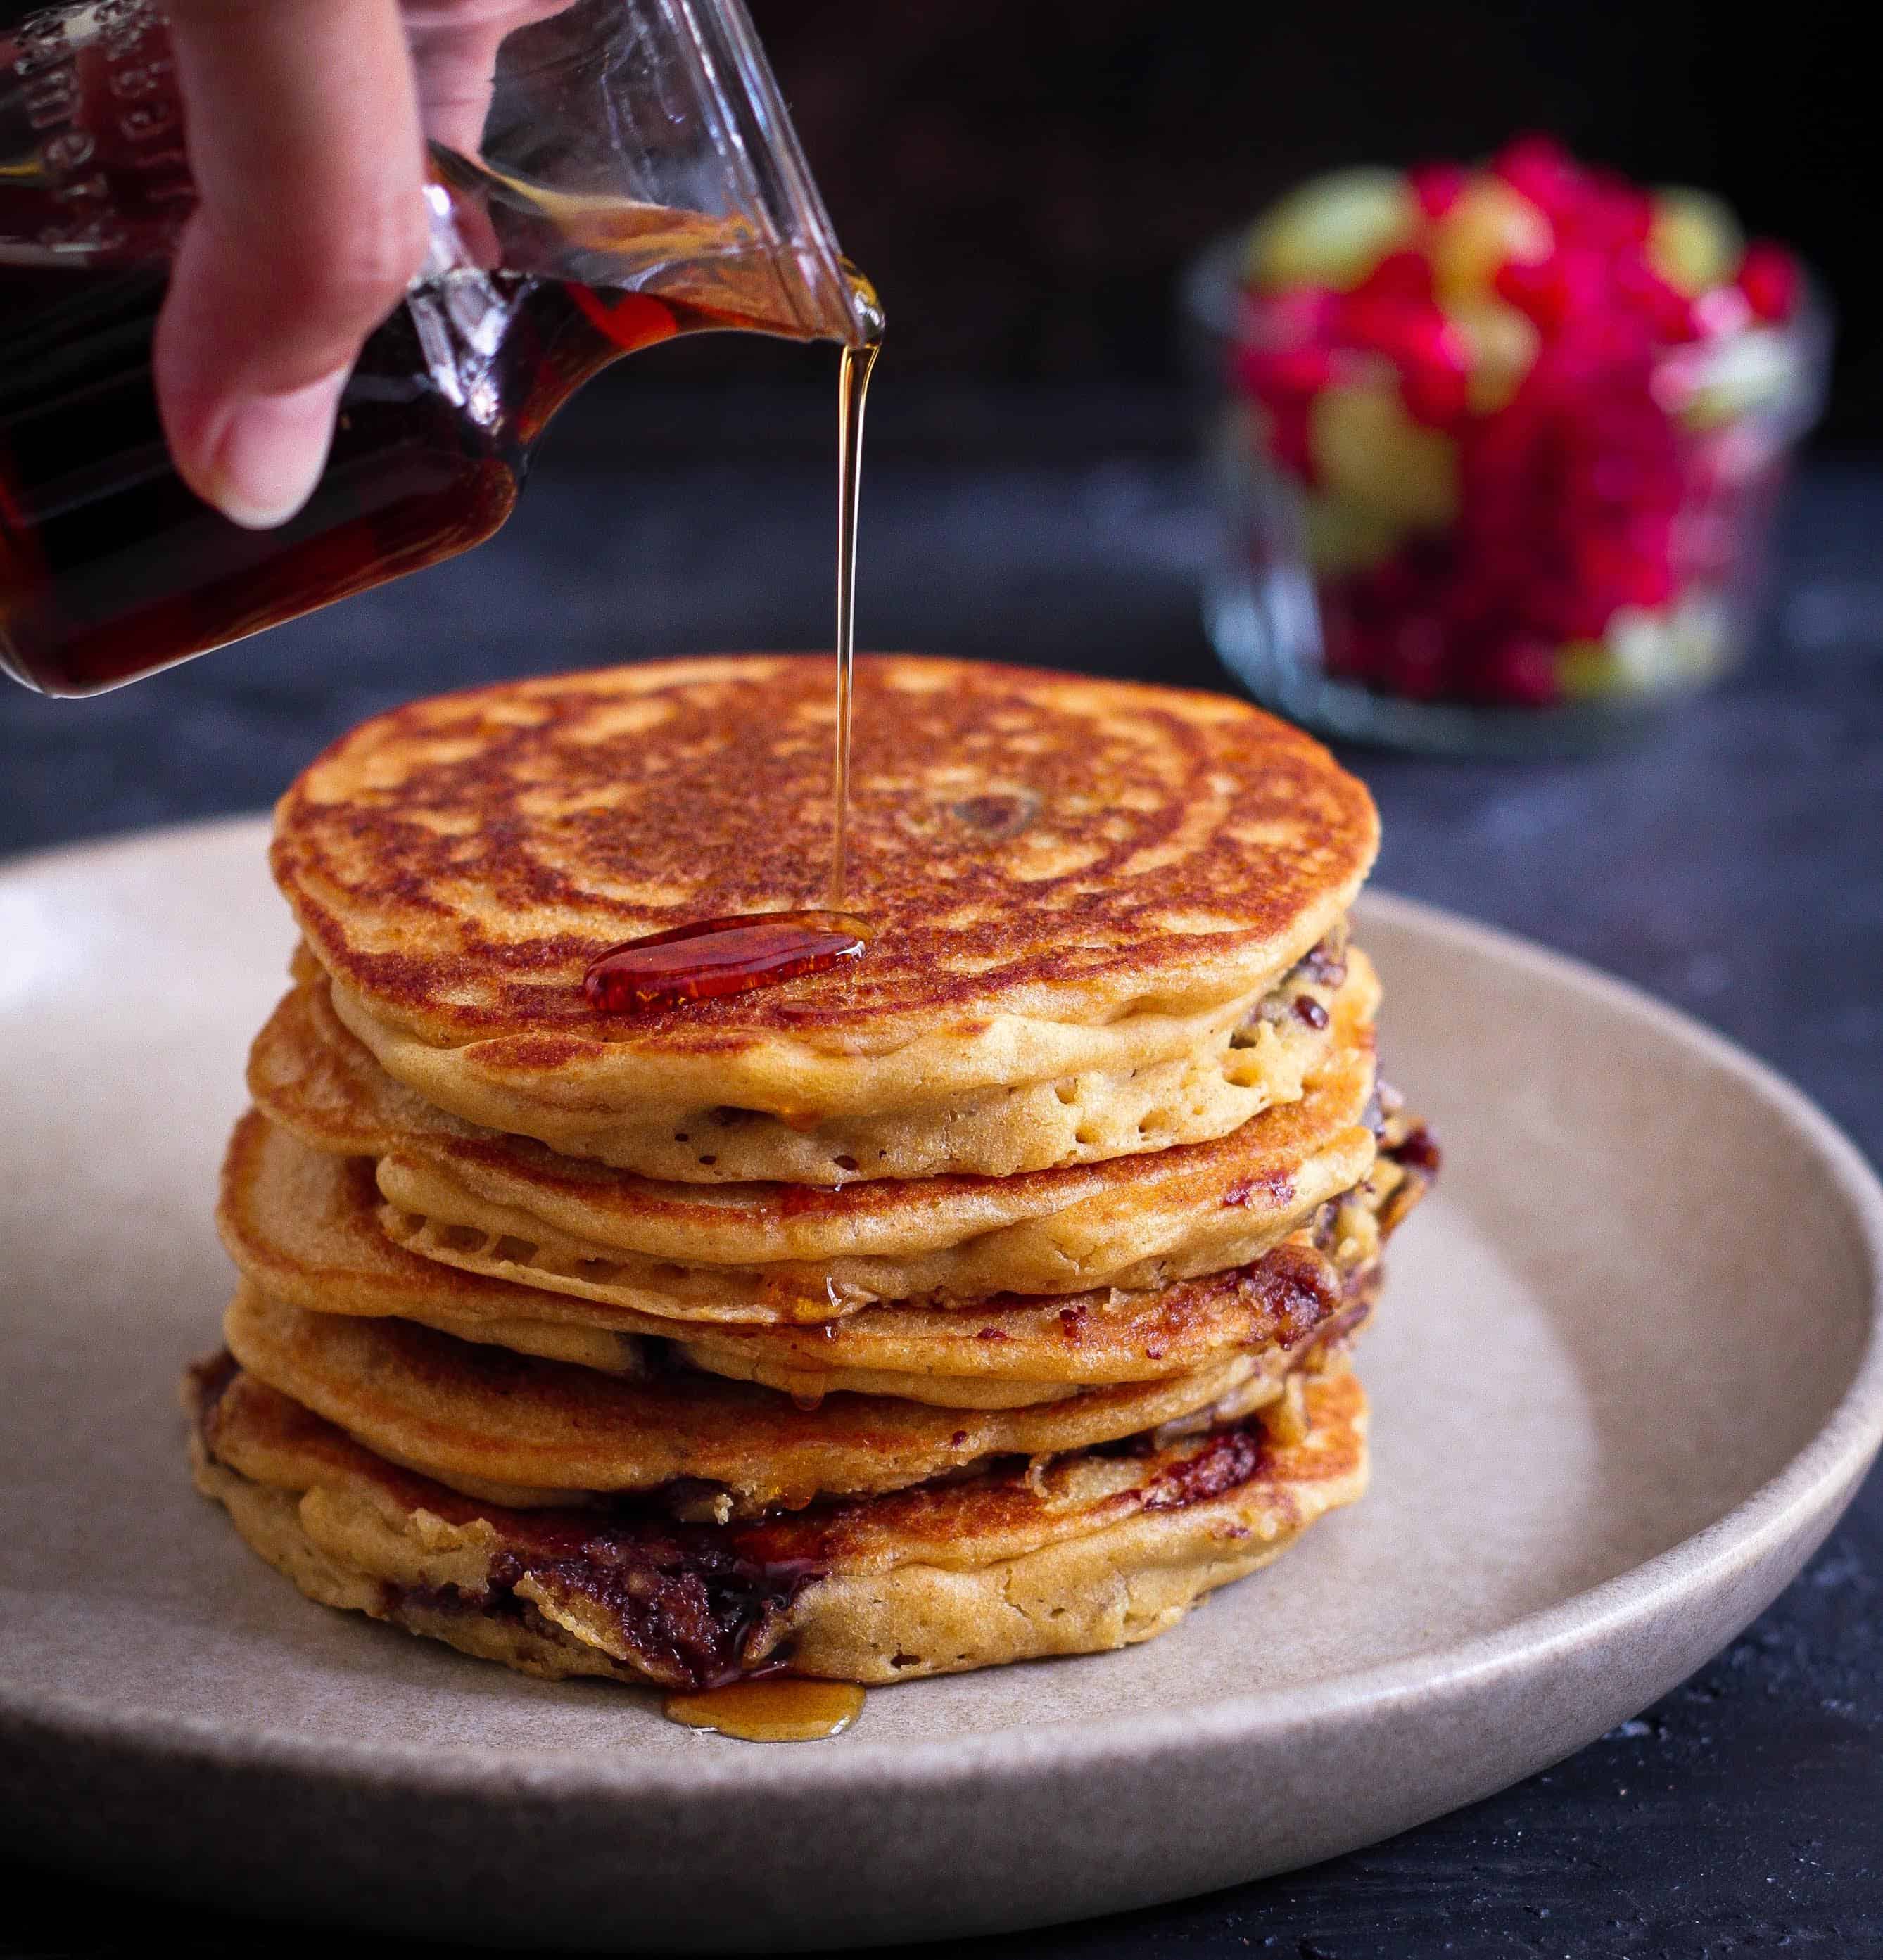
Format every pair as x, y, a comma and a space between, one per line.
1022, 178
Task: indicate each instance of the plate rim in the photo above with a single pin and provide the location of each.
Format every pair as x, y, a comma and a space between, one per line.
1833, 1460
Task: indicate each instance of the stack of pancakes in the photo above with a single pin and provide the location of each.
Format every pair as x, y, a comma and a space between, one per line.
987, 1298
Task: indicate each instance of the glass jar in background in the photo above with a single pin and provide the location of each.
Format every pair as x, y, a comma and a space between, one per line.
1497, 453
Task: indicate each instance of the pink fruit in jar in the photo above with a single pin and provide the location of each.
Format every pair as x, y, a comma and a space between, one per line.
1284, 380
1410, 657
1493, 417
1392, 312
1272, 372
1570, 285
1401, 278
1289, 436
1518, 669
1302, 316
1768, 277
1545, 173
1613, 214
1437, 187
1722, 313
1637, 286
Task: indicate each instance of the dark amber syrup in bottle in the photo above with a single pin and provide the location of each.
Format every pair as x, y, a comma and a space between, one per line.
112, 567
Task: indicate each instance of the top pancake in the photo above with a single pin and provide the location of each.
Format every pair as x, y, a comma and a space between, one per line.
1061, 873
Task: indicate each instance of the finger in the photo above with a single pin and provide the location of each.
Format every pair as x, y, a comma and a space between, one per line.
455, 62
455, 45
304, 142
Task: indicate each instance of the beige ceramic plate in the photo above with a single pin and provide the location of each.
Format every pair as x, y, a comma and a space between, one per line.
1628, 1373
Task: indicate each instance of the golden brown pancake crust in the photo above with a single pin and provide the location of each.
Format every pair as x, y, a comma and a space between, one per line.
304, 1227
485, 1420
1026, 841
307, 1057
767, 1252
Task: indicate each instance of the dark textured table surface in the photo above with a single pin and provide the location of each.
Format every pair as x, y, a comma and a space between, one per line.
1734, 865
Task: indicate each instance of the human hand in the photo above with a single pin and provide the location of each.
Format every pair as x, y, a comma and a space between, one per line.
307, 122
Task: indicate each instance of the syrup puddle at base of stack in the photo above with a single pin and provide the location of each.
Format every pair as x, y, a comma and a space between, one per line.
779, 1708
755, 950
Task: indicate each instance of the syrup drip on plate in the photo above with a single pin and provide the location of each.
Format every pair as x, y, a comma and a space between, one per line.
712, 958
778, 1709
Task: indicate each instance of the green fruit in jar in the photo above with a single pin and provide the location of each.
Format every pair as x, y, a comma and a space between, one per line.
1585, 670
1636, 654
1503, 343
1370, 453
1489, 226
1332, 231
1694, 241
1340, 536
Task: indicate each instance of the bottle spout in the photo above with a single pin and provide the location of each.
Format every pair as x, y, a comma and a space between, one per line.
829, 299
866, 310
644, 147
730, 268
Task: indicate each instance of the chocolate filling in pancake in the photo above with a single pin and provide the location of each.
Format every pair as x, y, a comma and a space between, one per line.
524, 1432
693, 1605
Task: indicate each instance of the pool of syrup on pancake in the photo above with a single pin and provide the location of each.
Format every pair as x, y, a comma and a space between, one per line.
714, 957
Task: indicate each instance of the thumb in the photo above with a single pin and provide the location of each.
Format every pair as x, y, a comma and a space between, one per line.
304, 142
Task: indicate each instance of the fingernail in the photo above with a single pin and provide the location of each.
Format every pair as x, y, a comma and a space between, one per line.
272, 451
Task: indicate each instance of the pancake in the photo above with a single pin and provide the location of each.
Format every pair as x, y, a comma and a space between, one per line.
1091, 1552
527, 1432
508, 1208
1066, 877
304, 1227
1244, 1061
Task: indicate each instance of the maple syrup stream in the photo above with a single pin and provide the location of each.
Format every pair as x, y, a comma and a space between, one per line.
711, 958
853, 381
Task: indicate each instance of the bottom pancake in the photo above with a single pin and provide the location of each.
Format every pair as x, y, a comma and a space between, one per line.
1087, 1552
